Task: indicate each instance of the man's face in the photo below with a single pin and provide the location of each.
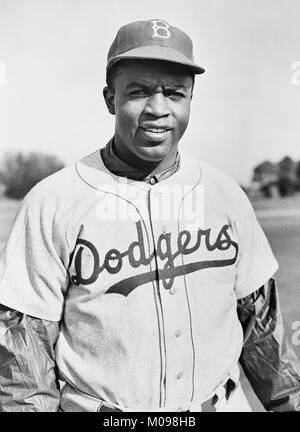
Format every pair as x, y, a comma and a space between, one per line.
151, 101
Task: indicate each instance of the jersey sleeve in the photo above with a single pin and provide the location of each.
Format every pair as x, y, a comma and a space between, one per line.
256, 262
33, 266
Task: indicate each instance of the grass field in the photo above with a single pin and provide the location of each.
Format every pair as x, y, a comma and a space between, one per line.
280, 220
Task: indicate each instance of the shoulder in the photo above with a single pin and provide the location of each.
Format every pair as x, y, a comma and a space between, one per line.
55, 187
66, 185
222, 188
209, 174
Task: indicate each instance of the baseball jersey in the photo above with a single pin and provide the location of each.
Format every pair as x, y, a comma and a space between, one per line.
144, 278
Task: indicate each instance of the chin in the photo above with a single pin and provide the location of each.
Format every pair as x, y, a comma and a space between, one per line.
153, 153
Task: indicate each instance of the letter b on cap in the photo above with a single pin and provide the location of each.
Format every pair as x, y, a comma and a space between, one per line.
161, 29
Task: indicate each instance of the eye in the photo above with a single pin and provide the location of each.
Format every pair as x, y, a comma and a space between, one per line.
138, 93
174, 94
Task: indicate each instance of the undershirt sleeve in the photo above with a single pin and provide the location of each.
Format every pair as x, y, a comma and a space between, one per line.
28, 380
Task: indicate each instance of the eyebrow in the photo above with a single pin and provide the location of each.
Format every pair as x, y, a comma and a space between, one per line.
145, 86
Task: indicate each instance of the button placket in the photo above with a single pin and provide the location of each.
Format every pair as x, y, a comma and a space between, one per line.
177, 324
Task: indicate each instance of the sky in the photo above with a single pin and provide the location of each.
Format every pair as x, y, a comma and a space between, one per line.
245, 109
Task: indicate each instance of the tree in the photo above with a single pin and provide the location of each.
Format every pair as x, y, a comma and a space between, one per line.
266, 175
287, 176
19, 172
298, 175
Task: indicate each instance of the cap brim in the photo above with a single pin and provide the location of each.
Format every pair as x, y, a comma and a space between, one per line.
155, 52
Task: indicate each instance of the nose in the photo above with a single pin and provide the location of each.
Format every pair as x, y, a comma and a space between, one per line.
157, 105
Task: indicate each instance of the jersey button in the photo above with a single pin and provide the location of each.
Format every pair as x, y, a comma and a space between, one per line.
172, 290
152, 181
178, 333
179, 375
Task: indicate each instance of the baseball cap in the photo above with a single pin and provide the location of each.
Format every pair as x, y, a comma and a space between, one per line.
155, 40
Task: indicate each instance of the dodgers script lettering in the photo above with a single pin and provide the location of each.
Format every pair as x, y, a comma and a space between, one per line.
114, 258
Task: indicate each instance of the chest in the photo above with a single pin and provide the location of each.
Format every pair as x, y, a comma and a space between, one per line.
135, 237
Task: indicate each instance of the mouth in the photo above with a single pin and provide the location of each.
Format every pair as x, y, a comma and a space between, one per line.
156, 129
155, 134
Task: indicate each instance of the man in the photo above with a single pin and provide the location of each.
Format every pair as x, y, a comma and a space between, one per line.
130, 278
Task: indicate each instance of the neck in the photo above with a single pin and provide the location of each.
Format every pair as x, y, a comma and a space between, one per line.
142, 165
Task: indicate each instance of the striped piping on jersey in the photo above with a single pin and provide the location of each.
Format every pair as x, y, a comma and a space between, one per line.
160, 318
185, 287
158, 305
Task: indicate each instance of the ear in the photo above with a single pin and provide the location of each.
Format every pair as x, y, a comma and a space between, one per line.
109, 97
